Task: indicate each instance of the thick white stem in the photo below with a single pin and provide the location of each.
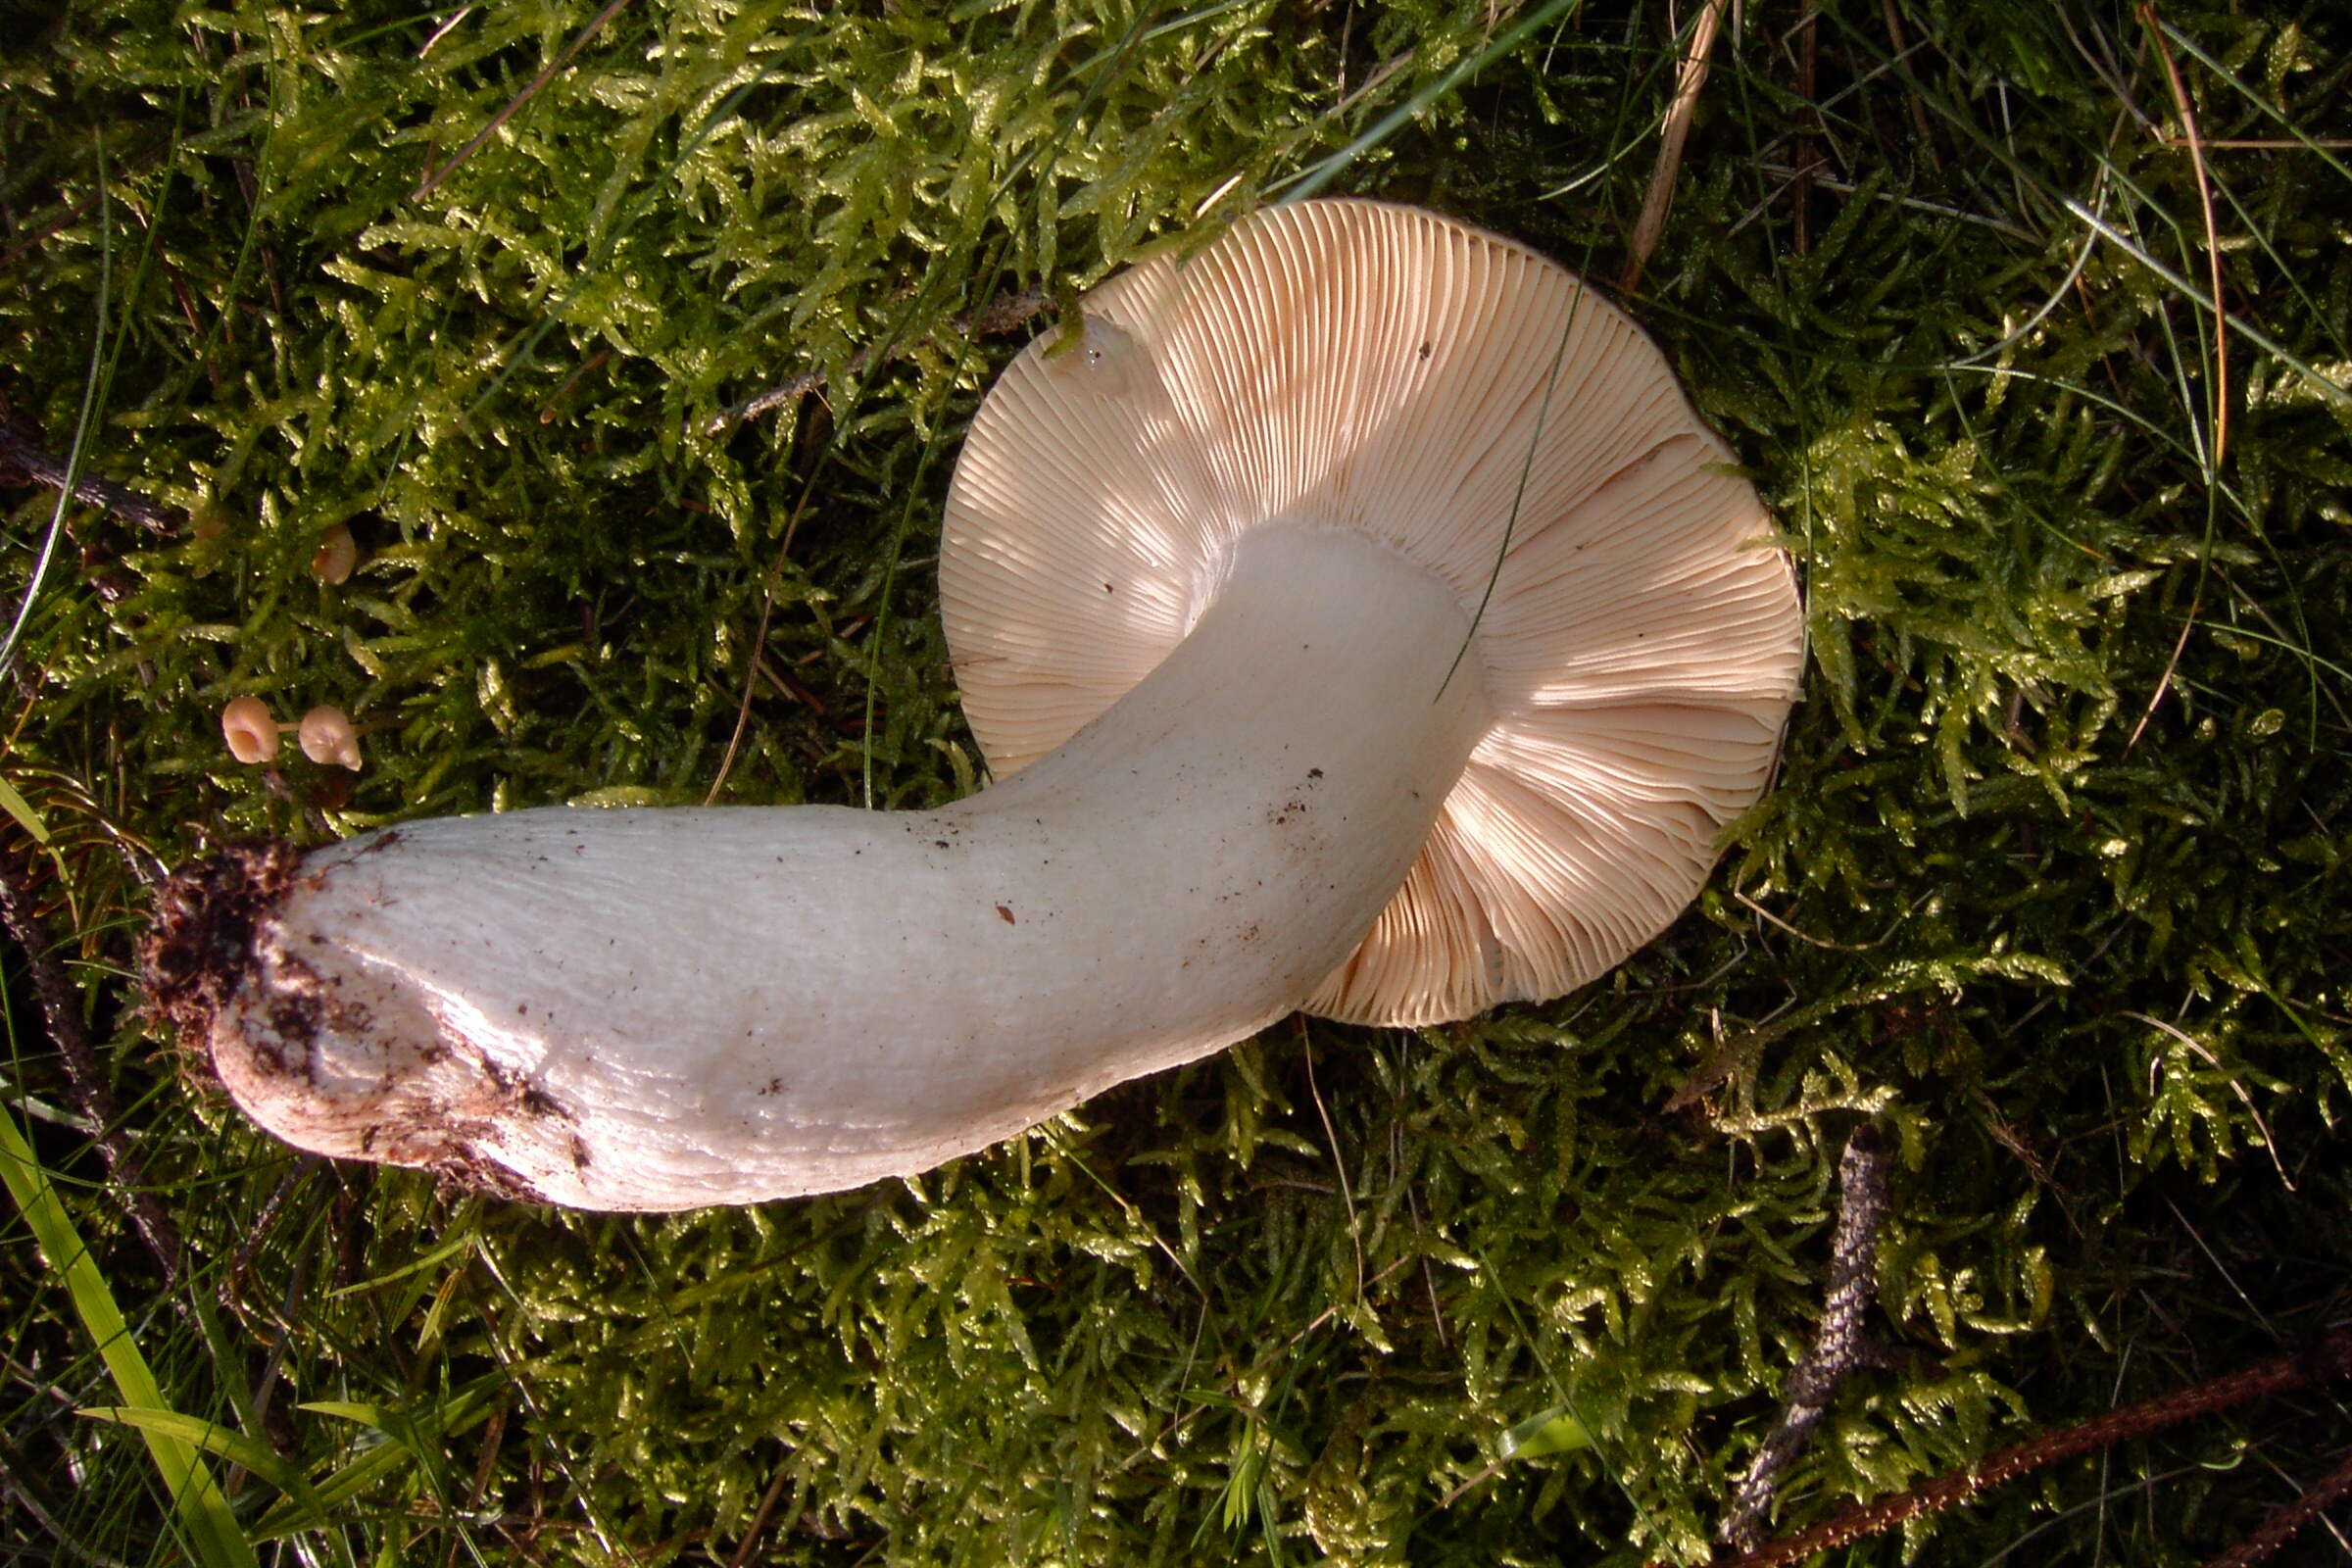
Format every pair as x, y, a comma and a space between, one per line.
668, 1009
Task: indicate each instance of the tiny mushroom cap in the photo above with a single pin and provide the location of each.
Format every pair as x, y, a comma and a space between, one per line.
326, 736
337, 555
250, 729
1466, 402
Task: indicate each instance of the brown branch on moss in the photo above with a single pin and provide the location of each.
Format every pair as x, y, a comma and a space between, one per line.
1001, 314
1688, 78
21, 451
60, 1010
1809, 161
433, 177
2327, 1359
2284, 1523
1838, 1344
750, 1543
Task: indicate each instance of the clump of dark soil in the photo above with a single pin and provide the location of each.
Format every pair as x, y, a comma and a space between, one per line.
201, 945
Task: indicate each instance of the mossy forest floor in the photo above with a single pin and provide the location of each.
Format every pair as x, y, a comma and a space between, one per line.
2053, 891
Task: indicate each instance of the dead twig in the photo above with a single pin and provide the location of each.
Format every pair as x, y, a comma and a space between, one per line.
61, 1010
775, 397
21, 451
1338, 1160
2221, 341
531, 90
2283, 1525
484, 1467
2265, 144
2213, 242
998, 316
750, 1543
1894, 37
547, 410
1838, 1344
1688, 78
2329, 1360
1809, 161
1001, 315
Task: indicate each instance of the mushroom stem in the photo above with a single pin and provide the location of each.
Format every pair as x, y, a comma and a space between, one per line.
660, 1009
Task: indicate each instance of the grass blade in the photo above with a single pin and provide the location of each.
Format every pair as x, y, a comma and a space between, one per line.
213, 1536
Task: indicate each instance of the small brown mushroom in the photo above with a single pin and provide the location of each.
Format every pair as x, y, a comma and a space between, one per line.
326, 736
337, 556
325, 733
250, 729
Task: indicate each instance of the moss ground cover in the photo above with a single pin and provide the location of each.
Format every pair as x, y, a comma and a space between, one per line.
2053, 892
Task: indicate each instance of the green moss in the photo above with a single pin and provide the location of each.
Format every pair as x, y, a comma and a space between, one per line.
2054, 887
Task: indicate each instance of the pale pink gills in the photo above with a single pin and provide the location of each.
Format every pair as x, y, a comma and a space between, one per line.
1385, 372
1356, 617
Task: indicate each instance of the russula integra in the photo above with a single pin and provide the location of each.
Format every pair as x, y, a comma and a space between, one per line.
1357, 618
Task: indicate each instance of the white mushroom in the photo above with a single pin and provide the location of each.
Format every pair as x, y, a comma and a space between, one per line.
1357, 618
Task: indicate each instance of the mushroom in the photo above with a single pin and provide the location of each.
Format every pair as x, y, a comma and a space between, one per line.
326, 736
337, 556
1356, 617
252, 731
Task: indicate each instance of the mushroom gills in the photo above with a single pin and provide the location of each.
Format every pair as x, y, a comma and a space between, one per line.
666, 1008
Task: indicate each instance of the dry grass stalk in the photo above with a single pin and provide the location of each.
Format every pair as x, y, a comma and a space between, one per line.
1688, 78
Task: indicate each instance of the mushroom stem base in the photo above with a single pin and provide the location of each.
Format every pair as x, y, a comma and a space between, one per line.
668, 1009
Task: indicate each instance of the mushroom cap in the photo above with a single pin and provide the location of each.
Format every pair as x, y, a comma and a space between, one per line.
326, 736
250, 729
1357, 364
337, 555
